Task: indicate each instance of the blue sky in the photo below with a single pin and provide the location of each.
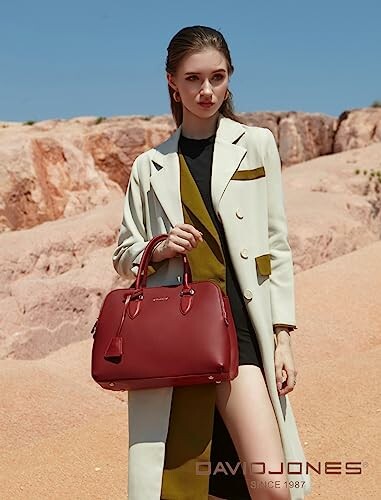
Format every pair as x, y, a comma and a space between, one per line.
78, 58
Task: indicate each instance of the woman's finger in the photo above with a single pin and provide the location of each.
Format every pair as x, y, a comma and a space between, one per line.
185, 242
185, 238
189, 232
290, 381
278, 373
192, 229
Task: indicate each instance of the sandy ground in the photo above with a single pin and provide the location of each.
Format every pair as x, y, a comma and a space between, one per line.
63, 437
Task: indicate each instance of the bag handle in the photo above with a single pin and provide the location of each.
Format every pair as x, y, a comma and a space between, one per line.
132, 307
141, 280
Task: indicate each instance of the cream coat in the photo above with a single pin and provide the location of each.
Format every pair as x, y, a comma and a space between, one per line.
253, 216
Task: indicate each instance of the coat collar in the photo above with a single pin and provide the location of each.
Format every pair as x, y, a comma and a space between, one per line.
227, 157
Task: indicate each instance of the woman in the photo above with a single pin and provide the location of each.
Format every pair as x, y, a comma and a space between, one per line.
215, 188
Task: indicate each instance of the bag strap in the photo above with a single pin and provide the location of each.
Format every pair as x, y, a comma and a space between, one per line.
141, 280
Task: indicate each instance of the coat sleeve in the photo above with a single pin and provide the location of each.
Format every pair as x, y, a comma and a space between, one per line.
282, 273
132, 238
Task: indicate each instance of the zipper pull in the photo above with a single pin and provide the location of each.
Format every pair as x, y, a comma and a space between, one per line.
93, 330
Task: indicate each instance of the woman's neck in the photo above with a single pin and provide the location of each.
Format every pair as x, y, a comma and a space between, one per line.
197, 128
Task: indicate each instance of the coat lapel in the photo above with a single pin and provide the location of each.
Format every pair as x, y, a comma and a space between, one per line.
227, 156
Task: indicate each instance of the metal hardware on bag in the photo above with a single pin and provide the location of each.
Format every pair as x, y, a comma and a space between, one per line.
187, 292
212, 378
133, 296
111, 384
139, 297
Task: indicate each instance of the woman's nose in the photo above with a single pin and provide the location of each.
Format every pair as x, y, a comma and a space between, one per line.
206, 89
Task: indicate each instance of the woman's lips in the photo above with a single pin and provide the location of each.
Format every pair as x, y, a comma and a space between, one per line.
206, 104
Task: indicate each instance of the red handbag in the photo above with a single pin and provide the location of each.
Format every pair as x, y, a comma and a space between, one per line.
174, 335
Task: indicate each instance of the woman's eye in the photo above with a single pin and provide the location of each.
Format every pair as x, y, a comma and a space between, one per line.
218, 77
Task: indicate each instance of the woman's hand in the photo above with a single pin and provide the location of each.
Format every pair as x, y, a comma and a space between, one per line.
181, 238
284, 362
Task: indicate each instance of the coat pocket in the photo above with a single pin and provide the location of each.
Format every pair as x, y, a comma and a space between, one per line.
263, 264
245, 175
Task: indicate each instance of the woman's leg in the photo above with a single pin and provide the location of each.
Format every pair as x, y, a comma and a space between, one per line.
246, 409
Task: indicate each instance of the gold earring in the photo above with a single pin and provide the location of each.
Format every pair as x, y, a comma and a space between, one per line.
176, 96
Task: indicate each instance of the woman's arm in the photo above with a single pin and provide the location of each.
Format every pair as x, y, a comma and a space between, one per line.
282, 275
132, 238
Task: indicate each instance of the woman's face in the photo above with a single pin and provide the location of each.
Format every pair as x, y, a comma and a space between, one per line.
201, 77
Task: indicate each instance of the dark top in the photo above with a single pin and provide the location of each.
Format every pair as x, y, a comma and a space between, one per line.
198, 154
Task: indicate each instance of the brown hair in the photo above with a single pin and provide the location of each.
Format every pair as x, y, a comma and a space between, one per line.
188, 41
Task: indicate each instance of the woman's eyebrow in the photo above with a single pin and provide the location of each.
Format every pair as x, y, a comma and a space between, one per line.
196, 73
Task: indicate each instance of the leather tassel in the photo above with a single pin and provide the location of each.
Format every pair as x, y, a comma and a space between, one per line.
114, 349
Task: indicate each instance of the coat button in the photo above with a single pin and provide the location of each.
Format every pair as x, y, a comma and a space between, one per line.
248, 294
238, 214
244, 253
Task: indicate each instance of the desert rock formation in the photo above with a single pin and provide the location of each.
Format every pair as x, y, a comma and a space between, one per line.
59, 168
54, 275
61, 208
